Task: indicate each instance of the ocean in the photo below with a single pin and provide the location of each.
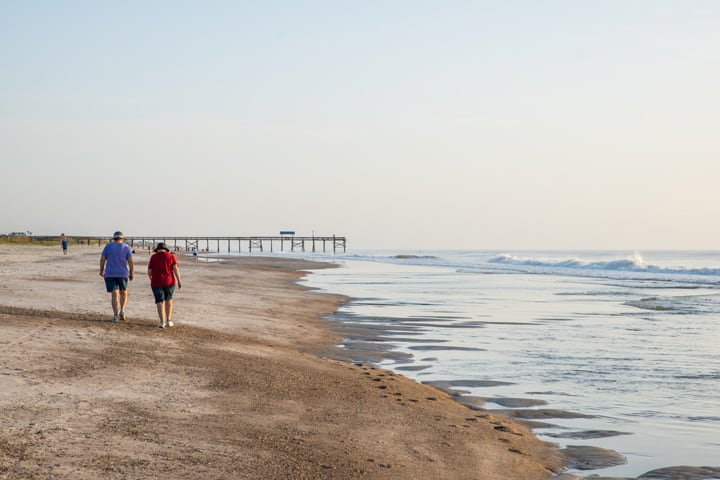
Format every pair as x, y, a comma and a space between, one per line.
630, 340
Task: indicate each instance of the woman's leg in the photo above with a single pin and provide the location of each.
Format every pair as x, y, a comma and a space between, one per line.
169, 311
161, 313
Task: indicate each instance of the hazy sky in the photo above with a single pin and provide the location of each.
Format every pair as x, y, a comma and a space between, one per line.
399, 124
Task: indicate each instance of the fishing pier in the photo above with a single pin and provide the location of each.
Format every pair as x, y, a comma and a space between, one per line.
285, 242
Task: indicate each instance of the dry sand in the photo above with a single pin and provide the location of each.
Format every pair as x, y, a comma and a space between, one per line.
237, 390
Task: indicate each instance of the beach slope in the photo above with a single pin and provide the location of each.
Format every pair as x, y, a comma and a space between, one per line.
235, 390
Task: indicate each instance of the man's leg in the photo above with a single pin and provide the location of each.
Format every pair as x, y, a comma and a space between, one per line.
114, 301
123, 303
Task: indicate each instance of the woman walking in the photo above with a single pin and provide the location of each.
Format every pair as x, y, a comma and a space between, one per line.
164, 274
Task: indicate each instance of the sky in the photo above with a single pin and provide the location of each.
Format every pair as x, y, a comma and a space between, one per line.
400, 124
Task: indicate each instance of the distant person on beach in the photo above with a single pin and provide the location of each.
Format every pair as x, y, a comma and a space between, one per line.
116, 266
164, 274
195, 254
64, 244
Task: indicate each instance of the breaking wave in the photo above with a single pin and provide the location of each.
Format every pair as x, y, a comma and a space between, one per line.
634, 264
606, 265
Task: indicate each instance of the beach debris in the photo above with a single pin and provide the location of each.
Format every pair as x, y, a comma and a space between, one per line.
518, 451
506, 429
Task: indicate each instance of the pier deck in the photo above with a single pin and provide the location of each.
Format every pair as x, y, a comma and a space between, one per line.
260, 244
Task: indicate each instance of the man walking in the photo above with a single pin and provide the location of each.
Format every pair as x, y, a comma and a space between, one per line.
116, 266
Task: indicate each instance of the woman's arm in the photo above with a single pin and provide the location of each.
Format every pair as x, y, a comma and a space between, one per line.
176, 271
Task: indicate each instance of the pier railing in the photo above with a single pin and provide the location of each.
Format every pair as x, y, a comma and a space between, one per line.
282, 243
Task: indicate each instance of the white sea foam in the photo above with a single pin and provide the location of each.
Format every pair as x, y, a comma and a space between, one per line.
634, 263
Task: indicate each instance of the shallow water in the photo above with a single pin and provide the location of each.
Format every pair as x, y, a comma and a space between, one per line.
632, 342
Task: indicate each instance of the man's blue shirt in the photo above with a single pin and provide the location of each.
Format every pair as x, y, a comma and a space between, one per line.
116, 256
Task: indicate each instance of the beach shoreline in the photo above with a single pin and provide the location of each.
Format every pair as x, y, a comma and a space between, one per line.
501, 344
240, 388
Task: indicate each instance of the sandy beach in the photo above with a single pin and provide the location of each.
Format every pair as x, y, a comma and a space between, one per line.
240, 388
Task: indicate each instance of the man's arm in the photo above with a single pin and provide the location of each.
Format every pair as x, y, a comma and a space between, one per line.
102, 265
131, 267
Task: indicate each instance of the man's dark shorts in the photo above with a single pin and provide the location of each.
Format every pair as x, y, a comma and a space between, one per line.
116, 283
163, 293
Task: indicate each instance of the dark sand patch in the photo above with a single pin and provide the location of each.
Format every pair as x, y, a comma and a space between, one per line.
413, 368
430, 348
582, 457
588, 434
466, 383
516, 402
683, 473
669, 473
540, 413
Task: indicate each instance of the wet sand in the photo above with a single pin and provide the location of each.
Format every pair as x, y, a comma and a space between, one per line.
242, 386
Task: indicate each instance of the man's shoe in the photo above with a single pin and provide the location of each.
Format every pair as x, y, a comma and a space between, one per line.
170, 323
122, 315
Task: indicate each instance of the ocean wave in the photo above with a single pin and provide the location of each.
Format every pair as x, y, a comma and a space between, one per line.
599, 265
634, 263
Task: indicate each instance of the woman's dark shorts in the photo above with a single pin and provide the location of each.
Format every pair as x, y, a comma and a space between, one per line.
163, 293
115, 283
